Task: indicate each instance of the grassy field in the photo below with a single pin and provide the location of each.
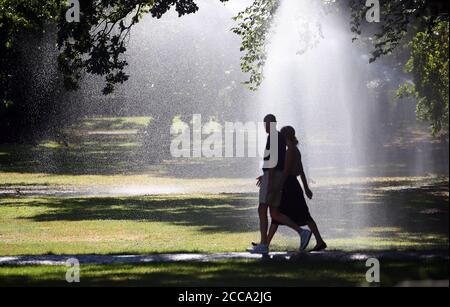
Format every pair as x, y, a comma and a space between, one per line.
354, 213
225, 273
97, 148
208, 223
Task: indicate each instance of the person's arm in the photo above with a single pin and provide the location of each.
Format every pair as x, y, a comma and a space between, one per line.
308, 192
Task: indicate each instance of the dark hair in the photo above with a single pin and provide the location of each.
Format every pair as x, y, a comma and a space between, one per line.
289, 134
270, 118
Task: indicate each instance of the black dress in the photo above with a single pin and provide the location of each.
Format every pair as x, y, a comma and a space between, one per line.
293, 203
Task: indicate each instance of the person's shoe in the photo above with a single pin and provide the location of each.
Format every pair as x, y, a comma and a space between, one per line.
259, 249
305, 237
319, 247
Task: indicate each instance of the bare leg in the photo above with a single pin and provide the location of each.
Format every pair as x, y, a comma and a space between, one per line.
263, 222
272, 230
315, 230
280, 217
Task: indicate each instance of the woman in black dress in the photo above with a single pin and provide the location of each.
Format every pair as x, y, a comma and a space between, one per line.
293, 203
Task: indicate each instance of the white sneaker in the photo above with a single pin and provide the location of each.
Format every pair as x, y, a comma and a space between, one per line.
305, 237
259, 249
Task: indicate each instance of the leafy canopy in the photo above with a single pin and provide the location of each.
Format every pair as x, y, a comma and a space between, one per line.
96, 45
428, 65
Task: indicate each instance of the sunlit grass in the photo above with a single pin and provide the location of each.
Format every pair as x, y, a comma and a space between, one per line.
50, 144
90, 226
7, 178
129, 144
114, 123
190, 223
394, 180
16, 178
390, 242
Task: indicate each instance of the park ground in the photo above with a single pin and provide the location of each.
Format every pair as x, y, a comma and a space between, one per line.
95, 193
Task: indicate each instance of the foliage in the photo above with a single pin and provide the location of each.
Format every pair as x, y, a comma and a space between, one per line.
422, 25
400, 19
97, 43
397, 17
253, 27
18, 17
15, 17
428, 65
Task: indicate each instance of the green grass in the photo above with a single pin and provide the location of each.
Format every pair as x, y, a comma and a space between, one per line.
102, 147
115, 146
226, 273
114, 123
126, 225
210, 223
37, 179
376, 213
94, 146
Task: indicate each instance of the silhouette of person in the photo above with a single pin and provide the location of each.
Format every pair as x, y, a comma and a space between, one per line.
293, 203
270, 189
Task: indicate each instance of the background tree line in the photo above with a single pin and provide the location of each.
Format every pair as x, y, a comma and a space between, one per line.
412, 36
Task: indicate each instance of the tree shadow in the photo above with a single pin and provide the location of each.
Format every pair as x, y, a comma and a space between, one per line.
235, 273
413, 214
417, 215
224, 213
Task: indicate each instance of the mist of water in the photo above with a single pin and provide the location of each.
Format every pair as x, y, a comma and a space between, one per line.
316, 80
313, 82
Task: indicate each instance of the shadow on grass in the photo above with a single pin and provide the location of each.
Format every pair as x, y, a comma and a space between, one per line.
388, 209
418, 215
226, 213
95, 155
229, 273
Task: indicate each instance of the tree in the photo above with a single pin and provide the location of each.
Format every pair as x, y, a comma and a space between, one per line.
422, 26
398, 18
17, 19
428, 65
254, 25
96, 44
403, 22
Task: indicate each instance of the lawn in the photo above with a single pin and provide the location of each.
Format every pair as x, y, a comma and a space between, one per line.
101, 147
226, 273
213, 223
355, 213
